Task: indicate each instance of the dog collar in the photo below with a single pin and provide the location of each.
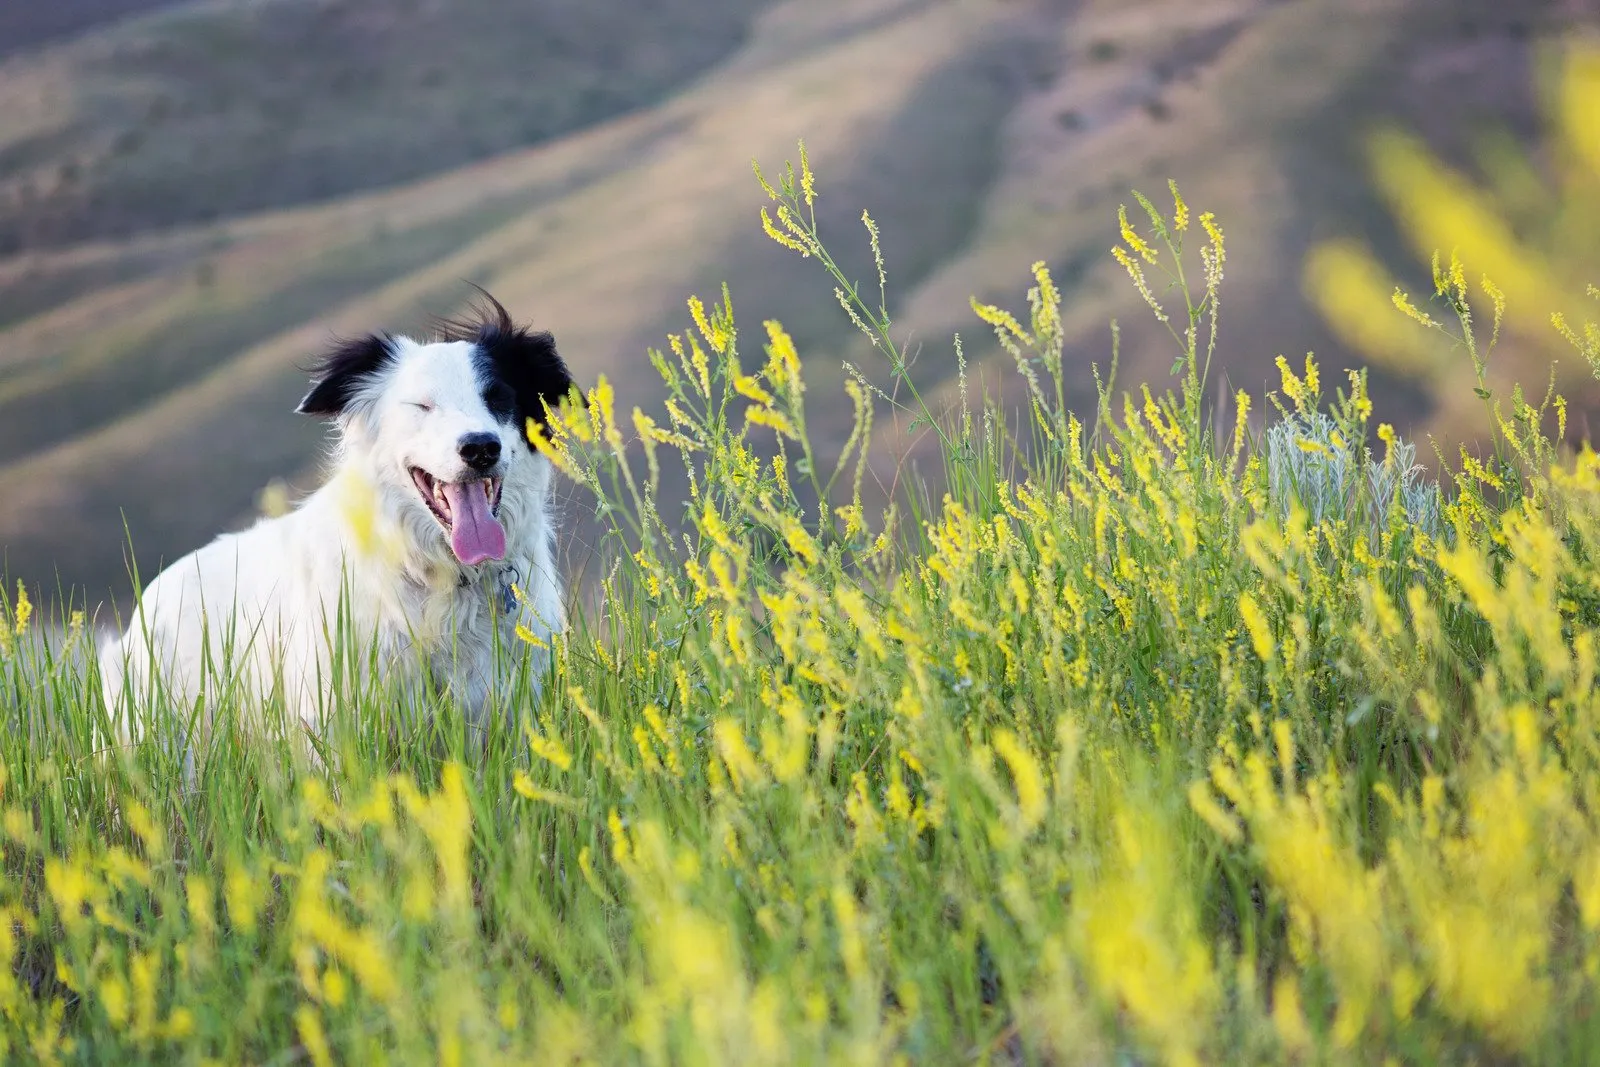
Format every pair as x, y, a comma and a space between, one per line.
508, 592
505, 580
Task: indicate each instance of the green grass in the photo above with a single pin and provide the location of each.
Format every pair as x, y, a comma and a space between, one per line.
1125, 749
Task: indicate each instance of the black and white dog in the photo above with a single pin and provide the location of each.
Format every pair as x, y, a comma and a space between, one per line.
431, 541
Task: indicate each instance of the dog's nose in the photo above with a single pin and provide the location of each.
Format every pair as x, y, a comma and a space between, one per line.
480, 450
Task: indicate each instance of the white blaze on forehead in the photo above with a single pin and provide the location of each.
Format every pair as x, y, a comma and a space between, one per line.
445, 375
426, 444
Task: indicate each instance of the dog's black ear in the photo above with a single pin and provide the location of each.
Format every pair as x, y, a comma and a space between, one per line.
526, 363
341, 372
529, 363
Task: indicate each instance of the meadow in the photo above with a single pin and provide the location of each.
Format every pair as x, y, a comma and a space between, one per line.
1162, 732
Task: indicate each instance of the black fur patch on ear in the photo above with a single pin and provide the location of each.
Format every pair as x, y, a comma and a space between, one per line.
519, 370
342, 371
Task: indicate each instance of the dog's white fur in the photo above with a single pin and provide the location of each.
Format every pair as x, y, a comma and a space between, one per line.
256, 608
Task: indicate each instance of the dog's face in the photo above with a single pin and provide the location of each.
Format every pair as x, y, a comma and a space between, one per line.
441, 425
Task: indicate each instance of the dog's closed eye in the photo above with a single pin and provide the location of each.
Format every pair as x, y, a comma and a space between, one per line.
500, 400
423, 406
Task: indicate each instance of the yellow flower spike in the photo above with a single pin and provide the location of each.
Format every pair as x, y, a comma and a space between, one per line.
774, 420
557, 454
1313, 384
702, 368
766, 186
645, 429
179, 1025
1386, 434
1213, 814
603, 413
1026, 777
243, 895
746, 385
1020, 593
714, 336
24, 608
743, 767
1241, 423
1359, 400
144, 973
334, 987
70, 888
524, 786
780, 237
1411, 311
1139, 937
1131, 237
200, 900
586, 867
1001, 320
787, 220
549, 749
579, 421
851, 516
1136, 272
1407, 988
800, 540
1255, 621
113, 995
856, 609
148, 831
1047, 320
1214, 232
852, 945
738, 640
785, 360
1180, 210
312, 1037
1497, 300
1288, 1019
1283, 739
445, 819
808, 180
1293, 387
123, 868
1578, 89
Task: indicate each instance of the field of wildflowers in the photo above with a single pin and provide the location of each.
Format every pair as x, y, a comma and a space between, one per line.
1152, 740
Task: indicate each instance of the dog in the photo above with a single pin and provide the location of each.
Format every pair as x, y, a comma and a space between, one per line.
430, 544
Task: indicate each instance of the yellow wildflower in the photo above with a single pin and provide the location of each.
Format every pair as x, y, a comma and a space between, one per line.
24, 608
549, 749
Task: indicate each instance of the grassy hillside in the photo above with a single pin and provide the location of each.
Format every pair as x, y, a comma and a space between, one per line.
981, 136
1161, 742
28, 26
207, 110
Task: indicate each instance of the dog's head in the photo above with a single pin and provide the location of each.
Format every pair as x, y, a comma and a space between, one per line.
441, 424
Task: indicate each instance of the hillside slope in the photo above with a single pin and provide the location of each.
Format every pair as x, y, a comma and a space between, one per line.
206, 110
26, 26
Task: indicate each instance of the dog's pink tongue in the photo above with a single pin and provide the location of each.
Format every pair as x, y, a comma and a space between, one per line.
475, 534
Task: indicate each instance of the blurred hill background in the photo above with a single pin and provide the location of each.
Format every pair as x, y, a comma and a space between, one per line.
195, 196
